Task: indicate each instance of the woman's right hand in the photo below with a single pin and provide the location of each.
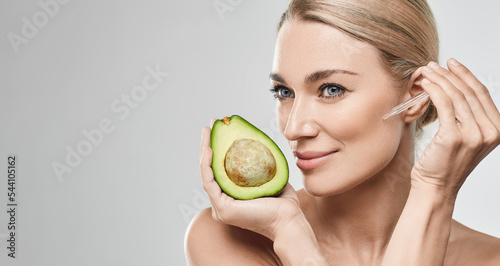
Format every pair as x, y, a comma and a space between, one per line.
262, 215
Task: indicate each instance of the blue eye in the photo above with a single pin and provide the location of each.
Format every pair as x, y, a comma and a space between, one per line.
281, 92
284, 92
331, 90
327, 90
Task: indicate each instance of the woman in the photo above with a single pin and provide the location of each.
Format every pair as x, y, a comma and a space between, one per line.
339, 67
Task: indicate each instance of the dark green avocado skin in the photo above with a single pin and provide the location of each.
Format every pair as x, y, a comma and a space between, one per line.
222, 136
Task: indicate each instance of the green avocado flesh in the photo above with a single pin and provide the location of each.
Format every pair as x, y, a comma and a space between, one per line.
247, 164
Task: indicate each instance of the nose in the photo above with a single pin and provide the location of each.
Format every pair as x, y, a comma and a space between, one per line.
300, 121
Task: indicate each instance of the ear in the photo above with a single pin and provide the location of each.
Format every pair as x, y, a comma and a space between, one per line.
415, 87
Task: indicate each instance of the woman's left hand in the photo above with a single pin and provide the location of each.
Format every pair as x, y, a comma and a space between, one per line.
469, 129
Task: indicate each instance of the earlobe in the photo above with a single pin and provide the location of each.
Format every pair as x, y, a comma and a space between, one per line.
415, 87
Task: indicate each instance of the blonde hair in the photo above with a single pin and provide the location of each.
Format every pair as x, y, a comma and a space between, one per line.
404, 31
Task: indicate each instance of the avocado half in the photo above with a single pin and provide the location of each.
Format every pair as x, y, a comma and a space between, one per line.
246, 163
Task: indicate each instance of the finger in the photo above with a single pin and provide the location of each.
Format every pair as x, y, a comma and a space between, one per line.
468, 123
461, 108
212, 122
443, 103
205, 137
490, 120
205, 140
481, 91
213, 190
216, 196
470, 95
490, 132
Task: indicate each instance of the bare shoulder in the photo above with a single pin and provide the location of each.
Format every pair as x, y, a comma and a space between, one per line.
209, 242
470, 247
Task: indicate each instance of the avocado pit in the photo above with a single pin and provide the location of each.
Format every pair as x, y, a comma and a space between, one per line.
249, 163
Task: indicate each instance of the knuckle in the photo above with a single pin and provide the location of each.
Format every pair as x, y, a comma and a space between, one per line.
457, 94
469, 93
206, 187
463, 105
475, 142
492, 136
446, 103
482, 90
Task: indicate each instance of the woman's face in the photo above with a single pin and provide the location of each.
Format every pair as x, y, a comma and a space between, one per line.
332, 94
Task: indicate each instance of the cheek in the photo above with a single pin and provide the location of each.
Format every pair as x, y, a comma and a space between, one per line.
368, 145
366, 137
362, 119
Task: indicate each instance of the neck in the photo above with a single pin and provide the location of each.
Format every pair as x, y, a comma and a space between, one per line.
363, 218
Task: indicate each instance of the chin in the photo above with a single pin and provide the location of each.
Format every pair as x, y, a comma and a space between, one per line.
318, 185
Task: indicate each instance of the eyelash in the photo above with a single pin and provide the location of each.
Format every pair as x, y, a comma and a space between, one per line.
275, 90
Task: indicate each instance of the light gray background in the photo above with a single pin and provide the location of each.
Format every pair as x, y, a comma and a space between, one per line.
130, 200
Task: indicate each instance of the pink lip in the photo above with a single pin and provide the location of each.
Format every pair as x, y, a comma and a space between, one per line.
312, 159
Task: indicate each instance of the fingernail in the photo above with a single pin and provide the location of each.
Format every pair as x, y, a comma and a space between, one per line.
454, 62
434, 65
428, 69
425, 81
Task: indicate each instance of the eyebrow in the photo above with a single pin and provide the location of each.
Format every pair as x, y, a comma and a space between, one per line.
315, 76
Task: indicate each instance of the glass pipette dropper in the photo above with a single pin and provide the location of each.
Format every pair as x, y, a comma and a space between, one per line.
411, 102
